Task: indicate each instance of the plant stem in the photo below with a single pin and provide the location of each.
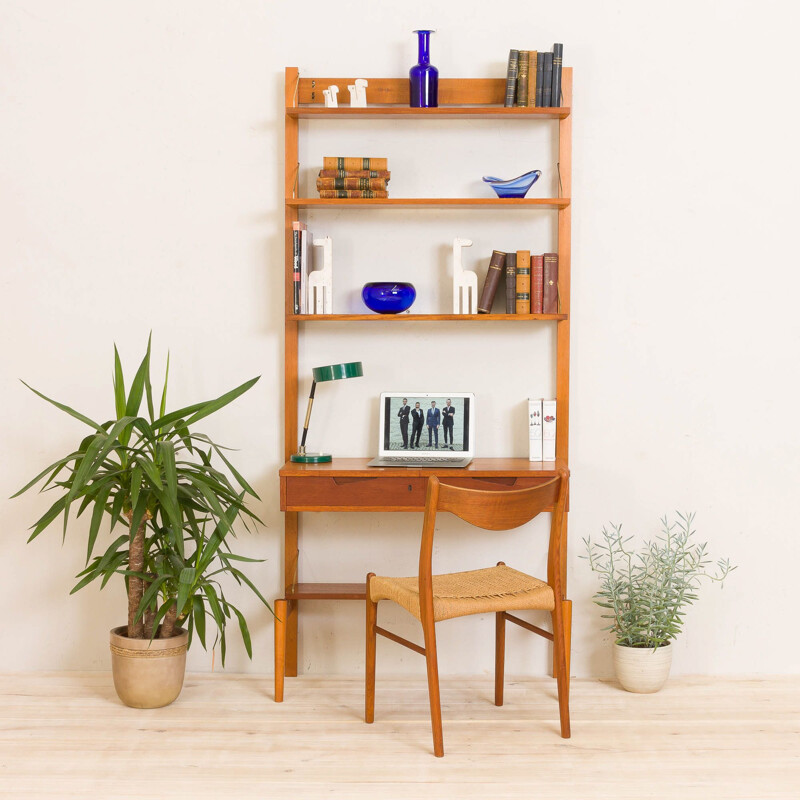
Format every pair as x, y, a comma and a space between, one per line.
135, 583
168, 625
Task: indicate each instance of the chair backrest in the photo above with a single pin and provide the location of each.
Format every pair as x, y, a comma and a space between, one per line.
496, 510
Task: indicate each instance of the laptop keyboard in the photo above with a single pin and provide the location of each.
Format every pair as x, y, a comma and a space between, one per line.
409, 459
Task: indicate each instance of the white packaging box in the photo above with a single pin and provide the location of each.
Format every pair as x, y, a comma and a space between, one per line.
548, 430
535, 429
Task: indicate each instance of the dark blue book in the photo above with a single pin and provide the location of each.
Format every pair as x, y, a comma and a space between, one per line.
558, 54
539, 77
547, 80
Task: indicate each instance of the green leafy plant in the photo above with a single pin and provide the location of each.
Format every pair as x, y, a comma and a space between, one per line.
647, 592
156, 477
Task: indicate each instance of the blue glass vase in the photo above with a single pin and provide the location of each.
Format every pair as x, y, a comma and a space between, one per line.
388, 298
423, 78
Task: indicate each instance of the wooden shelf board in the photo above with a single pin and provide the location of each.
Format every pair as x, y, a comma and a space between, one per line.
450, 112
429, 202
423, 317
327, 591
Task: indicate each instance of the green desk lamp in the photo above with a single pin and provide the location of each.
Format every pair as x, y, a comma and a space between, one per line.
333, 372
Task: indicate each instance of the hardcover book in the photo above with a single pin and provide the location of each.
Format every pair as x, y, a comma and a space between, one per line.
296, 228
329, 194
558, 55
547, 80
535, 429
537, 283
351, 183
511, 283
522, 79
523, 282
352, 163
539, 77
550, 291
511, 77
532, 61
496, 265
305, 267
548, 430
355, 173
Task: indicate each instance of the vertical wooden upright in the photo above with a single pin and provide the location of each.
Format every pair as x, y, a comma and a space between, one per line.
291, 522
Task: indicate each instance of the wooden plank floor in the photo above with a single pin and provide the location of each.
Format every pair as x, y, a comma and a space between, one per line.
65, 735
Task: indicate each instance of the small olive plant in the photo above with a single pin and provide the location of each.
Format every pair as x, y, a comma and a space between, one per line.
647, 592
153, 474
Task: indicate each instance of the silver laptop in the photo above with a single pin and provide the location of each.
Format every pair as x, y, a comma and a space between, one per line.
426, 430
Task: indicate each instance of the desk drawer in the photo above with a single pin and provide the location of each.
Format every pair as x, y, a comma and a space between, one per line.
488, 484
354, 494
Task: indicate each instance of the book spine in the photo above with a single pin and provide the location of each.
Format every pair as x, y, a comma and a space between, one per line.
329, 194
532, 61
558, 55
496, 265
356, 173
548, 430
522, 79
535, 429
351, 183
305, 267
537, 283
547, 80
523, 282
539, 77
295, 268
550, 291
352, 163
511, 77
511, 283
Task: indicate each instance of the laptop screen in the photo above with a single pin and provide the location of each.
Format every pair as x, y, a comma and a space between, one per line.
423, 422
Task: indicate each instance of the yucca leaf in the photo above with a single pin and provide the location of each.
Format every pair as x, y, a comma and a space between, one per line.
163, 407
119, 385
97, 517
137, 387
199, 617
66, 409
222, 401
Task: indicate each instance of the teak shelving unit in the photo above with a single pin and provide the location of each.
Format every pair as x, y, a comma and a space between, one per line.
329, 487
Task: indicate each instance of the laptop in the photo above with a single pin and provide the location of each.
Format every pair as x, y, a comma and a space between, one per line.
426, 430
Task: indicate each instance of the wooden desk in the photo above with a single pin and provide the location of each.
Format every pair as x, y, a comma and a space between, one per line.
348, 484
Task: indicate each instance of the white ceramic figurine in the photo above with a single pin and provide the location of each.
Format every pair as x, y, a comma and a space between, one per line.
465, 282
320, 282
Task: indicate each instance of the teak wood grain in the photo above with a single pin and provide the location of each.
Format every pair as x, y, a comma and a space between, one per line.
323, 487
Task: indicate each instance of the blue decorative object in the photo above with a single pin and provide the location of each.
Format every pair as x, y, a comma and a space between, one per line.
423, 78
516, 187
388, 298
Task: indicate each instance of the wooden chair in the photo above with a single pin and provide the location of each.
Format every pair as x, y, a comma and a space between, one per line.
432, 598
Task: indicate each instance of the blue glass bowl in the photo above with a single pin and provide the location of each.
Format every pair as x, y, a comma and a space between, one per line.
388, 298
516, 187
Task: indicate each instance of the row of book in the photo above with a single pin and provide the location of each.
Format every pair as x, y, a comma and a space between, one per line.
353, 177
531, 282
534, 78
302, 241
542, 429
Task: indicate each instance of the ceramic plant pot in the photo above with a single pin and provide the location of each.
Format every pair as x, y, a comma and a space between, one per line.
148, 674
642, 669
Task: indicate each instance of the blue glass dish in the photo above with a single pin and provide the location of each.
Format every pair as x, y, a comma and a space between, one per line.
516, 187
388, 298
423, 77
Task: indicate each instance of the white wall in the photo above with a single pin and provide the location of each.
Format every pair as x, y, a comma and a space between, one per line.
141, 187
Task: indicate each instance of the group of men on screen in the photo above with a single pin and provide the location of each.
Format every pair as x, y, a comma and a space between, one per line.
433, 419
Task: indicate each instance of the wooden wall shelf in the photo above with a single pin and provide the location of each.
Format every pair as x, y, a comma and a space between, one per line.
556, 203
448, 112
424, 317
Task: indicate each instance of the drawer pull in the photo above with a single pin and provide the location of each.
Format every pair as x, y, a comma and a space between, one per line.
353, 479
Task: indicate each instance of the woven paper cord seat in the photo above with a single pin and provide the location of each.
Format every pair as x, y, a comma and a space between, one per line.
460, 593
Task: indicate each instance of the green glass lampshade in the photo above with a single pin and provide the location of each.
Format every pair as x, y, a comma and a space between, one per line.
333, 372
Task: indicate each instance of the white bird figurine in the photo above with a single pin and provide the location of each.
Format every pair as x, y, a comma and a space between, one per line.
358, 93
465, 282
331, 96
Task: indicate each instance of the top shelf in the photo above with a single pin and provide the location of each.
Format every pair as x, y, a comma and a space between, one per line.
448, 112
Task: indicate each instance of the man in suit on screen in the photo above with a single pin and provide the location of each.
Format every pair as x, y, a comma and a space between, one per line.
417, 421
448, 412
433, 419
403, 413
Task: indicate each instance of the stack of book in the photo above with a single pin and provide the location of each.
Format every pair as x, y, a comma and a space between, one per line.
531, 283
353, 177
542, 429
534, 78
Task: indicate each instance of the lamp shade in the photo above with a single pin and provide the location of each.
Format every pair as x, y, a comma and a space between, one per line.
335, 372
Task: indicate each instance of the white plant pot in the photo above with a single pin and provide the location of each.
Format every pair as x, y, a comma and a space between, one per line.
642, 669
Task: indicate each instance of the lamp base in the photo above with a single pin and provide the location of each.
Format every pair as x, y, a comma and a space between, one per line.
311, 458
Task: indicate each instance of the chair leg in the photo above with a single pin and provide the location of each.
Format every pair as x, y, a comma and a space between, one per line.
281, 608
499, 656
562, 676
369, 673
566, 612
429, 632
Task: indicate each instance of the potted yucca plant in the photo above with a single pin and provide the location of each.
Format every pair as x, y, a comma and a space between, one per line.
646, 593
154, 475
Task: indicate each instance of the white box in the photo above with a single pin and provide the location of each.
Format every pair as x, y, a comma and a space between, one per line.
535, 429
548, 430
